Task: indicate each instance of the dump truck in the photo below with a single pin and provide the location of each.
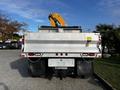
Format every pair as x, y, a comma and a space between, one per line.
61, 50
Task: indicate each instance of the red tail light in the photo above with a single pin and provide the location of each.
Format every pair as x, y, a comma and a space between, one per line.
91, 54
88, 54
31, 54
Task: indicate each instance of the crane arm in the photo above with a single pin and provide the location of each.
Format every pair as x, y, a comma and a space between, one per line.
56, 20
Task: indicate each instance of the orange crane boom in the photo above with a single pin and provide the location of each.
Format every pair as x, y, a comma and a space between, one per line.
56, 20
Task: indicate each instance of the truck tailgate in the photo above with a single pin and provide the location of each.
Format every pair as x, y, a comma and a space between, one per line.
61, 42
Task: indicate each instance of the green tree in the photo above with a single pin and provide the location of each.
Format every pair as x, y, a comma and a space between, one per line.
9, 27
116, 35
3, 22
106, 33
110, 37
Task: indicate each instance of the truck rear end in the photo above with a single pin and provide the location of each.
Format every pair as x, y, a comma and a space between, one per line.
61, 51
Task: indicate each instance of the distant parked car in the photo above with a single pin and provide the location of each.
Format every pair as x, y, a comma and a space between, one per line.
2, 45
14, 45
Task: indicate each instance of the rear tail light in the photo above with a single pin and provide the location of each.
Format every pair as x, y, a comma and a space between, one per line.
35, 54
91, 54
31, 54
88, 54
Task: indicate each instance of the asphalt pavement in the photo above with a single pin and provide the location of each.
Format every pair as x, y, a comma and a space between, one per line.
14, 76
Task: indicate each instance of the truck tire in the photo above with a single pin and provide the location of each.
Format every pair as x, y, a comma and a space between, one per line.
84, 69
32, 70
37, 69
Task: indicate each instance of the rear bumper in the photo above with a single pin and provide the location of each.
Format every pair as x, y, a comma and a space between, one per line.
63, 55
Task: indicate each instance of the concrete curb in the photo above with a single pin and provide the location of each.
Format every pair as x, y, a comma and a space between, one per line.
107, 85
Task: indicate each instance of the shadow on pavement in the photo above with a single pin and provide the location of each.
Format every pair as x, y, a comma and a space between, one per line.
5, 87
21, 65
92, 81
95, 82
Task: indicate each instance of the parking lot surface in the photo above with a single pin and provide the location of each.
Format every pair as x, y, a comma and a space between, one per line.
14, 76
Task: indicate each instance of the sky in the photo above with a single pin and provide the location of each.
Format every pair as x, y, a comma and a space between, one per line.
84, 13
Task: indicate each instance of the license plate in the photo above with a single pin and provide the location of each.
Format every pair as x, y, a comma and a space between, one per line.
56, 62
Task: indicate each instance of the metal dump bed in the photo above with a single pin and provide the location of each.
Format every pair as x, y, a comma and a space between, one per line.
61, 42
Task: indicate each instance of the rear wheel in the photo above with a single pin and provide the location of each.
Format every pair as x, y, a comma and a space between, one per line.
32, 70
37, 68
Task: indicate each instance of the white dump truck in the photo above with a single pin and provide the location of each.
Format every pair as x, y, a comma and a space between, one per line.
61, 51
68, 51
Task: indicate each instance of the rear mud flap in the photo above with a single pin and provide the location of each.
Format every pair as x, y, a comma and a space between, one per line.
84, 68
